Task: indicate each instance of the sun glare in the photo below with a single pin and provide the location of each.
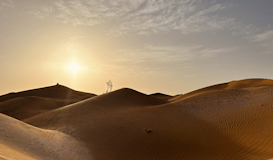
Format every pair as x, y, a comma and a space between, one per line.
74, 67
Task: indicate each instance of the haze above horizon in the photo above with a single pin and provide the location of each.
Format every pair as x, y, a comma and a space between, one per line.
172, 47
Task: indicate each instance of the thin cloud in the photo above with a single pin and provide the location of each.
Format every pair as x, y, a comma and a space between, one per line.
265, 40
160, 59
142, 16
41, 13
184, 16
267, 35
6, 4
170, 54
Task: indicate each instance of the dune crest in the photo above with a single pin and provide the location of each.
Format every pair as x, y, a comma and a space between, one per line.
248, 83
241, 84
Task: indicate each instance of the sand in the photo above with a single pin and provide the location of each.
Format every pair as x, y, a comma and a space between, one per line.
221, 122
9, 153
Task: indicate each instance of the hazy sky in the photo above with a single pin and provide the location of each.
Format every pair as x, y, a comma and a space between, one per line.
169, 46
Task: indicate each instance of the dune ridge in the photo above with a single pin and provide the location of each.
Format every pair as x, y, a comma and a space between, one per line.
240, 84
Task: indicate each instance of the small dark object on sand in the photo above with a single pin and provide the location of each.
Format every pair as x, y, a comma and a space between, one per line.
147, 130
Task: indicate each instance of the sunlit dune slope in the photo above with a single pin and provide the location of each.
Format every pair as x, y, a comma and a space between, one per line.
161, 96
26, 107
57, 92
30, 142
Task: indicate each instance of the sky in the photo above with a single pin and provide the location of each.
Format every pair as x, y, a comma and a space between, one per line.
167, 46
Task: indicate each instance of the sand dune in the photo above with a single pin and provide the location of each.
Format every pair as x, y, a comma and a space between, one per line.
57, 91
162, 96
247, 83
26, 104
229, 121
122, 100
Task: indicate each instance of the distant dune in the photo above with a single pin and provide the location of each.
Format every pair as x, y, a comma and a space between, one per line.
229, 121
26, 104
56, 91
162, 96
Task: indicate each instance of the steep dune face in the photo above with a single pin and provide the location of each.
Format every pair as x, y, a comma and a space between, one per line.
38, 143
57, 92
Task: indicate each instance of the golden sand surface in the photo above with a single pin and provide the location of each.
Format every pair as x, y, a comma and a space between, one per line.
9, 153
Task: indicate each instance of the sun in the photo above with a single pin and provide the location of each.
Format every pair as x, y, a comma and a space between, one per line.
74, 67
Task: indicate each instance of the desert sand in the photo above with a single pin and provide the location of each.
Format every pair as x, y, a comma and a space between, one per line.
7, 152
229, 121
